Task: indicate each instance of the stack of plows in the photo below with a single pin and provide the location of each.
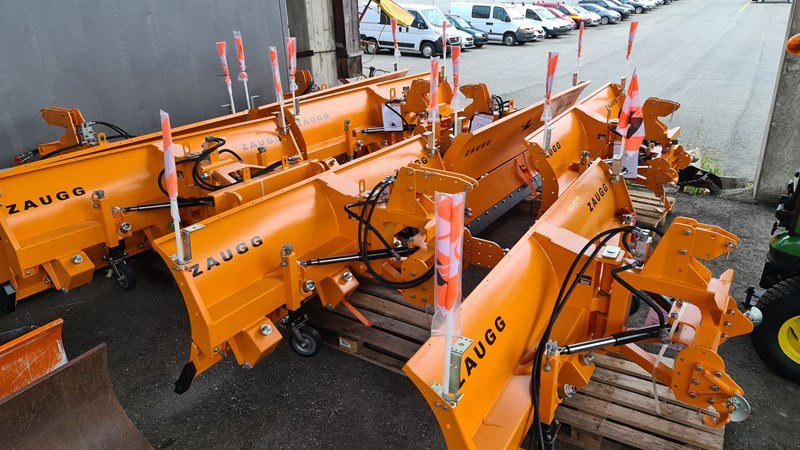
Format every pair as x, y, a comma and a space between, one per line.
278, 210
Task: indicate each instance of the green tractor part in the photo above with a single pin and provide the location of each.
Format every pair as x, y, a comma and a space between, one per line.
777, 338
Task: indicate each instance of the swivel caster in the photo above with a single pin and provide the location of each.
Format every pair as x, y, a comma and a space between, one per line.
124, 276
306, 341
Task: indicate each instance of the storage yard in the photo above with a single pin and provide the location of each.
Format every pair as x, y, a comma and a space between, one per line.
718, 59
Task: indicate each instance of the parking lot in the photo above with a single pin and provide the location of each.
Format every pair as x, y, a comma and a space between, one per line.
717, 58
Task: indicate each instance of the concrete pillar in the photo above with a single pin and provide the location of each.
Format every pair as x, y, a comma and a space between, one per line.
780, 151
348, 38
311, 21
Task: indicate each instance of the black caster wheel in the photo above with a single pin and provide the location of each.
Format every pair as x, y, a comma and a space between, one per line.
124, 276
306, 341
8, 302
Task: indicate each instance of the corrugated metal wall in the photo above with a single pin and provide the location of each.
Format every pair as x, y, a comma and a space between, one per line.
121, 61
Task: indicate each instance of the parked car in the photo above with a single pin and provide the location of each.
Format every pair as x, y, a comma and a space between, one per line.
502, 23
424, 35
591, 17
552, 25
607, 16
478, 37
567, 10
629, 8
623, 12
639, 6
562, 17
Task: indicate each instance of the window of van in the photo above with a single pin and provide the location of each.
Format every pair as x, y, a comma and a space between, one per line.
417, 20
544, 13
500, 14
384, 19
480, 12
434, 16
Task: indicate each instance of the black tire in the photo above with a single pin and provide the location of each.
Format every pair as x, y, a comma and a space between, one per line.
478, 45
427, 49
309, 345
126, 279
372, 46
604, 20
8, 302
779, 305
509, 39
638, 10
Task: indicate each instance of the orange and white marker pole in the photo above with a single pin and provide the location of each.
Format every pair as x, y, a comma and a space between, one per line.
171, 182
456, 103
276, 80
449, 210
433, 104
580, 53
552, 65
237, 37
629, 52
291, 60
396, 46
223, 60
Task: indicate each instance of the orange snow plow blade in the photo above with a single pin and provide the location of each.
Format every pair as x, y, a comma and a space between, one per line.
71, 119
58, 217
502, 322
30, 357
494, 155
72, 406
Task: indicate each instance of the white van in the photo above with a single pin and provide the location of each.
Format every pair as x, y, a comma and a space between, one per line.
541, 16
503, 23
424, 35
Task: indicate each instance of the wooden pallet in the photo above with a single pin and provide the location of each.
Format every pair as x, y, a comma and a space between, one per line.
616, 410
398, 329
649, 209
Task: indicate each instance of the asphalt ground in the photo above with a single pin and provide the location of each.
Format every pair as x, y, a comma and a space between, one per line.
717, 58
337, 401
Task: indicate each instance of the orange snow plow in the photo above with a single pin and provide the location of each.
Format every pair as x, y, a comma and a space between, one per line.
586, 132
530, 342
255, 265
47, 402
80, 136
64, 219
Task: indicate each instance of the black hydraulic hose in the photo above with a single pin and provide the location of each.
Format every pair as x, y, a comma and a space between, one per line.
388, 105
363, 234
662, 316
115, 128
561, 300
231, 152
268, 169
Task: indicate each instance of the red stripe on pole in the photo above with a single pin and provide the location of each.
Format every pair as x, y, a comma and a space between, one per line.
237, 37
276, 72
170, 174
580, 41
456, 68
223, 60
631, 38
444, 38
394, 31
291, 55
552, 64
434, 92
